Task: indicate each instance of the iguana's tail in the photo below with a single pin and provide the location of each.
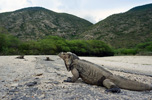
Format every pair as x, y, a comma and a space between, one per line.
131, 85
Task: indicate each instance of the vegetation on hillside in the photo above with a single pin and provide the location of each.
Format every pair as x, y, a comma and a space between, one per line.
140, 49
128, 33
51, 45
124, 30
35, 23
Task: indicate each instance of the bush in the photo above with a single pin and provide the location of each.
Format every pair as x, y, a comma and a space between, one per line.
124, 51
53, 45
9, 44
144, 48
140, 49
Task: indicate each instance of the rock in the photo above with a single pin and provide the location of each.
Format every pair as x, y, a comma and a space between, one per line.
39, 92
20, 57
14, 85
3, 81
56, 82
39, 74
33, 89
14, 90
36, 78
26, 98
31, 83
48, 59
15, 80
53, 82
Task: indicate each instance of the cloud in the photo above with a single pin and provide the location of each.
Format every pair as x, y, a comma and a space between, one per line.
95, 16
49, 4
11, 5
92, 10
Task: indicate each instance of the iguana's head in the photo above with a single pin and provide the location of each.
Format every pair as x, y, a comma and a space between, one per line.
68, 58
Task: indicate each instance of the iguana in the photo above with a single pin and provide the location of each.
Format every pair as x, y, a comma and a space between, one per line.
93, 74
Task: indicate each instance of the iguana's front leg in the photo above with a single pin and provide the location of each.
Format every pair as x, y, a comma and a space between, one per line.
75, 76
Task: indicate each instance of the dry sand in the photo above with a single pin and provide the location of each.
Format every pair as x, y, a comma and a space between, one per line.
33, 78
131, 64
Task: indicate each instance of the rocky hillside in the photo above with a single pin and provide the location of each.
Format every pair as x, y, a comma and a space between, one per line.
124, 29
119, 30
36, 22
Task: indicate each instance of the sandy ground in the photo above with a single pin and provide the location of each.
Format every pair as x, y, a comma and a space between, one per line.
33, 78
131, 64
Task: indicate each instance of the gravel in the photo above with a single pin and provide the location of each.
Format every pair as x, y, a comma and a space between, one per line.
33, 78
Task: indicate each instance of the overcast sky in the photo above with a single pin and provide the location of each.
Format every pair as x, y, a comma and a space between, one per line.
92, 10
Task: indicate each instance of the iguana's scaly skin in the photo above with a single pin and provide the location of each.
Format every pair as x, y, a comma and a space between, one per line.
96, 75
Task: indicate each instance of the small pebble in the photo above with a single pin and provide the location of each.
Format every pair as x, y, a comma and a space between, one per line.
31, 83
39, 74
14, 85
3, 81
14, 90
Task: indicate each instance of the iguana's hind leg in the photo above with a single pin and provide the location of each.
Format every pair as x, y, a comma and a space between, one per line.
111, 87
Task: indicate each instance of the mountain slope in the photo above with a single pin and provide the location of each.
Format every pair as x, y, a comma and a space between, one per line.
124, 29
36, 22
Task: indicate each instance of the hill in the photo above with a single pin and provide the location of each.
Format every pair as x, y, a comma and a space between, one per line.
36, 22
124, 29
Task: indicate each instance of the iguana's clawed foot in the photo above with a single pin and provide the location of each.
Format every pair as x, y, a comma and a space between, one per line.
69, 79
113, 90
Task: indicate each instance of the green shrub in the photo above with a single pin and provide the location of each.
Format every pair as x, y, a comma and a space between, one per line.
147, 46
53, 45
144, 48
9, 44
124, 51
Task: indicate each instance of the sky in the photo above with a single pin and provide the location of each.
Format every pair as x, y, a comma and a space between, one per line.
91, 10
